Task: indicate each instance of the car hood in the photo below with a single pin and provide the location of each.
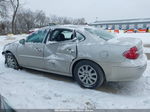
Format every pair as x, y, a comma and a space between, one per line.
12, 43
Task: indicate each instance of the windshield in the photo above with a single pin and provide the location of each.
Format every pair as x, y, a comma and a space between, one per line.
100, 33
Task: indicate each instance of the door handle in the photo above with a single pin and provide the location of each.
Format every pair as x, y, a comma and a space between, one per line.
38, 49
70, 50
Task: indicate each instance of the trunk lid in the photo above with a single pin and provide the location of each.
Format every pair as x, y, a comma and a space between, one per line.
129, 42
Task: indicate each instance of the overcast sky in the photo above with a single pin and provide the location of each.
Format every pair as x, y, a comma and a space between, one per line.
92, 9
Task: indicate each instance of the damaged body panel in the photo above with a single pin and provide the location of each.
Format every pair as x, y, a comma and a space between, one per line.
59, 56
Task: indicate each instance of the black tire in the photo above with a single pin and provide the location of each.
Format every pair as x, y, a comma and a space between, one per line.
93, 70
11, 61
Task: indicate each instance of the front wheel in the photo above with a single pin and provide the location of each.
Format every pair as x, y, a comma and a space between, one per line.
11, 61
88, 74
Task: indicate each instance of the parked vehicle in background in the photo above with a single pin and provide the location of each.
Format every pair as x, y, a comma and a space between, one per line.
130, 31
90, 55
148, 29
142, 30
33, 30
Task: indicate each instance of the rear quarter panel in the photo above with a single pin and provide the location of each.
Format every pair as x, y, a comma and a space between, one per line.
105, 55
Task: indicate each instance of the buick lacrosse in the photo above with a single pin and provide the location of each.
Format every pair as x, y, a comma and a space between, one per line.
90, 55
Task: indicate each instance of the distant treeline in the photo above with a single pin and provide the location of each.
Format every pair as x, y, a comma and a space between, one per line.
26, 19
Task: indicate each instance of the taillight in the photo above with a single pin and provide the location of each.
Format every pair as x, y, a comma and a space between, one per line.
132, 53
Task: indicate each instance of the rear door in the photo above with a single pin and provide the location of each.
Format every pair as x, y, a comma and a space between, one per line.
60, 50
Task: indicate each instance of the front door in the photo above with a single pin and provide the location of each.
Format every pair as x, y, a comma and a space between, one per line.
31, 54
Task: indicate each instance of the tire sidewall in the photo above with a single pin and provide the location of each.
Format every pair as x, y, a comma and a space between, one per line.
99, 71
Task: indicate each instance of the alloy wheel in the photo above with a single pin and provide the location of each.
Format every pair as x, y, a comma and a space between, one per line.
87, 75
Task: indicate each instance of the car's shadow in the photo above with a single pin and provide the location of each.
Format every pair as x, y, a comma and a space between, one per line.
109, 87
50, 75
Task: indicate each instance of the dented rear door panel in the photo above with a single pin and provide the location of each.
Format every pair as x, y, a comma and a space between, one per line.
59, 55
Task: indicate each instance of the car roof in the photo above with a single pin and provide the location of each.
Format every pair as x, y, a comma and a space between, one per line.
73, 27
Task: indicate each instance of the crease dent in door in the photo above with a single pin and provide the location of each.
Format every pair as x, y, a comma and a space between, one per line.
59, 57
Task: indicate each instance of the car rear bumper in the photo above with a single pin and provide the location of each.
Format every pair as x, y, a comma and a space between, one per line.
130, 70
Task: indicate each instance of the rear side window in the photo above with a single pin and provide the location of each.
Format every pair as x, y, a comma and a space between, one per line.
80, 36
100, 33
37, 37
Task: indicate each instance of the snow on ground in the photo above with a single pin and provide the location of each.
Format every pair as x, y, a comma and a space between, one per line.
29, 89
147, 50
10, 38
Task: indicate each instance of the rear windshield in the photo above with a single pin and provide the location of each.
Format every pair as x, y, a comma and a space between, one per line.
100, 33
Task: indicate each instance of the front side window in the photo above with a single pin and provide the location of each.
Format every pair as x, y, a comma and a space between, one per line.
100, 33
62, 35
37, 37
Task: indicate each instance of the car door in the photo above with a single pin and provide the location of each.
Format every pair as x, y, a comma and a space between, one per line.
60, 50
31, 53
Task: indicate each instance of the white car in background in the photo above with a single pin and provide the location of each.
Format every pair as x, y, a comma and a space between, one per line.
33, 30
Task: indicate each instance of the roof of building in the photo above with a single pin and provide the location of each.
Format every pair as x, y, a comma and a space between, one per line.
140, 20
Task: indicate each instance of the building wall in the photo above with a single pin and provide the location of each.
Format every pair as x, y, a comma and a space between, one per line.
124, 26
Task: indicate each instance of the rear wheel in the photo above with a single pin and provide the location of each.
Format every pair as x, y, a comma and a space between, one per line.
11, 61
88, 74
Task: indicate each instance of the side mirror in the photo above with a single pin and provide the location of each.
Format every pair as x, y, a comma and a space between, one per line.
22, 41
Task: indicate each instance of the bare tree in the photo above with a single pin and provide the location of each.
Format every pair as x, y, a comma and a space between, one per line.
3, 15
15, 5
66, 20
3, 8
80, 21
27, 19
41, 19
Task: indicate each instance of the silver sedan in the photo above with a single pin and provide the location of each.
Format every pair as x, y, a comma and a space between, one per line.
90, 55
